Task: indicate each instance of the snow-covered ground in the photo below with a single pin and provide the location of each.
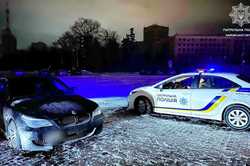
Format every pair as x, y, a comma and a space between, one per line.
111, 102
145, 140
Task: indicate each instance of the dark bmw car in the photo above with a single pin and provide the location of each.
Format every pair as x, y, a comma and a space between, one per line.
40, 111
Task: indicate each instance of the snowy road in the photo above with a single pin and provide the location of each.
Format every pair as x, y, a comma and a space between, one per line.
145, 140
139, 140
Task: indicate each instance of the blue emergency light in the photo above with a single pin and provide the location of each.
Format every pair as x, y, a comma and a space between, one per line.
200, 70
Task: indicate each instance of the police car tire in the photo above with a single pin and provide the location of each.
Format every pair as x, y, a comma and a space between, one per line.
231, 110
147, 106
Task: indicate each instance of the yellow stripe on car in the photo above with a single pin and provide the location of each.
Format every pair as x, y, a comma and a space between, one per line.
210, 109
234, 90
215, 105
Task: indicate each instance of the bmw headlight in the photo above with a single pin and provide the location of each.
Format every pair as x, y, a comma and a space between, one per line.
36, 123
97, 112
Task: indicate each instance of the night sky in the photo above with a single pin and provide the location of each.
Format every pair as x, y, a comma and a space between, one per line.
46, 20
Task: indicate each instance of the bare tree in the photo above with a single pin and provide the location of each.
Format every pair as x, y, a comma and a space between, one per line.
65, 41
81, 33
86, 29
85, 26
87, 40
112, 50
110, 36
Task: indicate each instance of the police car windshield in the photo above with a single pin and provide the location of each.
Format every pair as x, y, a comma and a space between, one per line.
35, 86
244, 78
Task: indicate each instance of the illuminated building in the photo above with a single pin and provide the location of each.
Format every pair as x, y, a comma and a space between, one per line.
205, 48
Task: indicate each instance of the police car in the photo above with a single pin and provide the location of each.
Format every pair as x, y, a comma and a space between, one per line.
207, 95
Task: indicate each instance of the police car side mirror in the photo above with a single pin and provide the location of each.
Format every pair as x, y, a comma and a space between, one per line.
161, 87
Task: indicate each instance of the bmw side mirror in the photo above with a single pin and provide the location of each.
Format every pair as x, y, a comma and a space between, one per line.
72, 89
3, 91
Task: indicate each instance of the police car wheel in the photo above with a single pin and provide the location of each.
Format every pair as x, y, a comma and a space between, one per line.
143, 106
237, 117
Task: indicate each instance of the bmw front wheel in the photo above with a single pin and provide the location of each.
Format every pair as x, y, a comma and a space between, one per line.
237, 117
13, 136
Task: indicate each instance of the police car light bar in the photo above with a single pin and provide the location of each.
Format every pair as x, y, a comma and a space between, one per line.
200, 70
205, 70
211, 70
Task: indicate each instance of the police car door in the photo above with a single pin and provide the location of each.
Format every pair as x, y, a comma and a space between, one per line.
208, 97
173, 96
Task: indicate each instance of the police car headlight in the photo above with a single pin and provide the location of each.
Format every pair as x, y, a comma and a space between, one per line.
35, 123
97, 112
